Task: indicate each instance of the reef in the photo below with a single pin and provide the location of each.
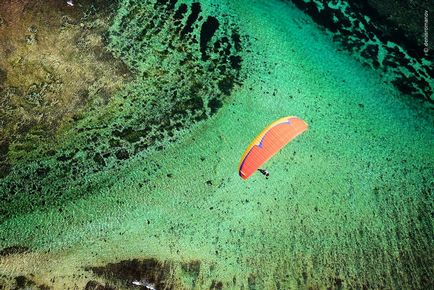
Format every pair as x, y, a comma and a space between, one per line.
393, 47
143, 74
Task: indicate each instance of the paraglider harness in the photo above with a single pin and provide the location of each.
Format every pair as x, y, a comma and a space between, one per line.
264, 172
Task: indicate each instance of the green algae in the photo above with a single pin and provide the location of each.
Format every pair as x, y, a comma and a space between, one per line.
347, 204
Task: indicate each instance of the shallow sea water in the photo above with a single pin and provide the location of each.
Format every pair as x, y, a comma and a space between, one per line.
348, 204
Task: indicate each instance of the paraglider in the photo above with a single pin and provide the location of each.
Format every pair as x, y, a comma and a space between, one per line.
269, 142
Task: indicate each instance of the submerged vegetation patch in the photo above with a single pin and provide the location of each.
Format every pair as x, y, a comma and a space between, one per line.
123, 273
154, 274
21, 283
178, 66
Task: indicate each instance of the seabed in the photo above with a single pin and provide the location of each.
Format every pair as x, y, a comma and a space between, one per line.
122, 126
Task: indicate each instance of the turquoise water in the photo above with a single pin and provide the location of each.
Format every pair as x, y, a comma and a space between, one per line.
348, 204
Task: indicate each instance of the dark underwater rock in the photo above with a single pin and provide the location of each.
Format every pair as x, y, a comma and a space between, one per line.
209, 27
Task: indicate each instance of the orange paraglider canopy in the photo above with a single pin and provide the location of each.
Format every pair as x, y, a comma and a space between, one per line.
269, 142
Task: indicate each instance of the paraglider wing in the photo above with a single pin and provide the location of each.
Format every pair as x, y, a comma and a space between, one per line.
269, 142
